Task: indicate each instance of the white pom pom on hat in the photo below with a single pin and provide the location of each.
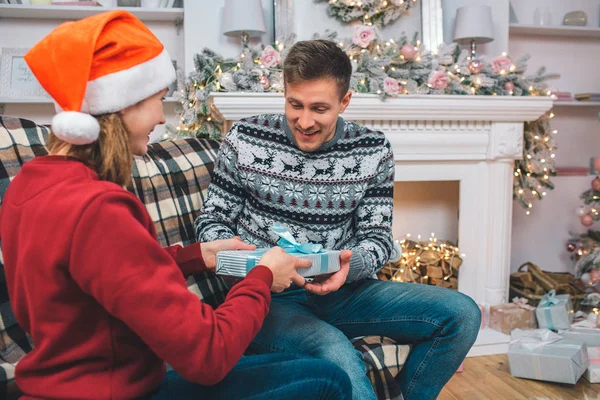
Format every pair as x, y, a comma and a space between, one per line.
75, 127
98, 65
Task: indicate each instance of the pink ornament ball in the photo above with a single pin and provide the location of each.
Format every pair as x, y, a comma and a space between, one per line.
597, 163
509, 86
266, 82
596, 184
408, 51
475, 66
587, 220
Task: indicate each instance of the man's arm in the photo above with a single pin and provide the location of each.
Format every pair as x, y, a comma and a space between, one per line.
373, 221
225, 197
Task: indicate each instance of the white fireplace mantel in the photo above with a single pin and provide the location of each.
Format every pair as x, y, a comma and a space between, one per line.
470, 139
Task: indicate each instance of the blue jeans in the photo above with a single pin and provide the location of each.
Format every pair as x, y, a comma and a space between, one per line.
440, 324
265, 377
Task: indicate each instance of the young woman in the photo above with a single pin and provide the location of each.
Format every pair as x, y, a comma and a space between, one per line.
104, 303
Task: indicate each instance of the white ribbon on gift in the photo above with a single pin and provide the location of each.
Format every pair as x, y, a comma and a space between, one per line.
533, 339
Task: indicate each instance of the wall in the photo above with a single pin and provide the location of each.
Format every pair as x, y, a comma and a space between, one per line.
499, 17
576, 60
203, 27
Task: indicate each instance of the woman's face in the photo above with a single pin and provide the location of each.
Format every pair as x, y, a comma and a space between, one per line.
141, 119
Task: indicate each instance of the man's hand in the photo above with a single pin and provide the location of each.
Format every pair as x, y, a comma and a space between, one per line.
334, 281
210, 249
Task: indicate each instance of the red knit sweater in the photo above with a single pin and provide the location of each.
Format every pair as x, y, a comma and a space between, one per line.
104, 303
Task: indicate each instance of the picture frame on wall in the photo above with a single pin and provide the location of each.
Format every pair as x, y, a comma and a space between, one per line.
425, 18
16, 79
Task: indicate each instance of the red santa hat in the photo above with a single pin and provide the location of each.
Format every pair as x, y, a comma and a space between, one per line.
98, 65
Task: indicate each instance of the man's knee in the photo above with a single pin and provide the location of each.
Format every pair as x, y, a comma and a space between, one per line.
465, 314
340, 351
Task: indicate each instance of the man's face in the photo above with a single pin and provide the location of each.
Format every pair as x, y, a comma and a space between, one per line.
311, 110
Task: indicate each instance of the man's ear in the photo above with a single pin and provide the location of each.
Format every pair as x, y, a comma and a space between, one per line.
346, 101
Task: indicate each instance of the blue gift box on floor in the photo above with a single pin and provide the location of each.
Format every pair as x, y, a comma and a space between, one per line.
555, 311
239, 262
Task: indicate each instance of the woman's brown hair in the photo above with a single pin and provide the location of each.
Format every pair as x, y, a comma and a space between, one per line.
110, 156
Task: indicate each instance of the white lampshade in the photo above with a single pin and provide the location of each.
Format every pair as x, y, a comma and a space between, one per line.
474, 23
241, 16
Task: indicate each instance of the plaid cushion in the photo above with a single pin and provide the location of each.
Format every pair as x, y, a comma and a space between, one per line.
171, 180
384, 359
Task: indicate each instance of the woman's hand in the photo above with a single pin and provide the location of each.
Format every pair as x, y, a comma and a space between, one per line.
283, 266
210, 249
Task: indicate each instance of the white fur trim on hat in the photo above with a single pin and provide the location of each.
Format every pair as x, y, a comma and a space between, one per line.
75, 127
116, 91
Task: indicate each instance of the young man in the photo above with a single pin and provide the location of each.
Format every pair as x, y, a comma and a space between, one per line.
331, 181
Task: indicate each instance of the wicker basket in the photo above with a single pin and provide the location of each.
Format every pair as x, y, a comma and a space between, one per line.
532, 283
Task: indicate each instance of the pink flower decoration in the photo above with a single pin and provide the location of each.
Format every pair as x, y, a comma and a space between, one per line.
391, 86
270, 57
501, 63
363, 36
438, 79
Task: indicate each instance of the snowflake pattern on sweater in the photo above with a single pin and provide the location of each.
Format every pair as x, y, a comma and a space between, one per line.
340, 196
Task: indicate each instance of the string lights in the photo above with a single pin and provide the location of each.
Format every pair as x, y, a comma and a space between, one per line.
428, 262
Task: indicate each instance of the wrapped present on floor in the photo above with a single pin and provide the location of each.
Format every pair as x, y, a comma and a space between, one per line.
238, 263
555, 311
515, 315
484, 316
592, 374
589, 336
544, 355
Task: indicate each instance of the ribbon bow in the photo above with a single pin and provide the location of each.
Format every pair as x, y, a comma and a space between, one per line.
550, 299
521, 302
533, 339
290, 244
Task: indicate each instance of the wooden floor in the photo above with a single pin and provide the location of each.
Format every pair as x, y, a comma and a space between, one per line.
489, 378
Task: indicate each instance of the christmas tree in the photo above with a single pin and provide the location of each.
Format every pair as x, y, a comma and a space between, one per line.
584, 247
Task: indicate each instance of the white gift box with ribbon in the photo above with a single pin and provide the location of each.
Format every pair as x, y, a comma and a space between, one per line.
544, 355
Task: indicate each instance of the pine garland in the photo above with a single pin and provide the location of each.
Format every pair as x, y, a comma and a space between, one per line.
389, 69
369, 12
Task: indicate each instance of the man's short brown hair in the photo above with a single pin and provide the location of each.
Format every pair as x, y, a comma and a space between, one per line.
318, 59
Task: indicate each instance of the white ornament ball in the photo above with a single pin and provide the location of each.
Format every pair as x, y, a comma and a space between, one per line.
585, 278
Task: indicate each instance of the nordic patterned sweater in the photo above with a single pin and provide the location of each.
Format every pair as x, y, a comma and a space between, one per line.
340, 196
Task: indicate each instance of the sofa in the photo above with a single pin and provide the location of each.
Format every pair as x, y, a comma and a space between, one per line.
171, 181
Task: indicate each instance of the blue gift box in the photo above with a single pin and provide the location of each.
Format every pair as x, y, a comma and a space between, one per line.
555, 311
239, 262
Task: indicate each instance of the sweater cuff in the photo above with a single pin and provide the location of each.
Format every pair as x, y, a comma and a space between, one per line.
190, 259
357, 266
262, 273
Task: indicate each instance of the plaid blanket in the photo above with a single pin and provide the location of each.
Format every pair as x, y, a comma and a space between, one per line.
171, 181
